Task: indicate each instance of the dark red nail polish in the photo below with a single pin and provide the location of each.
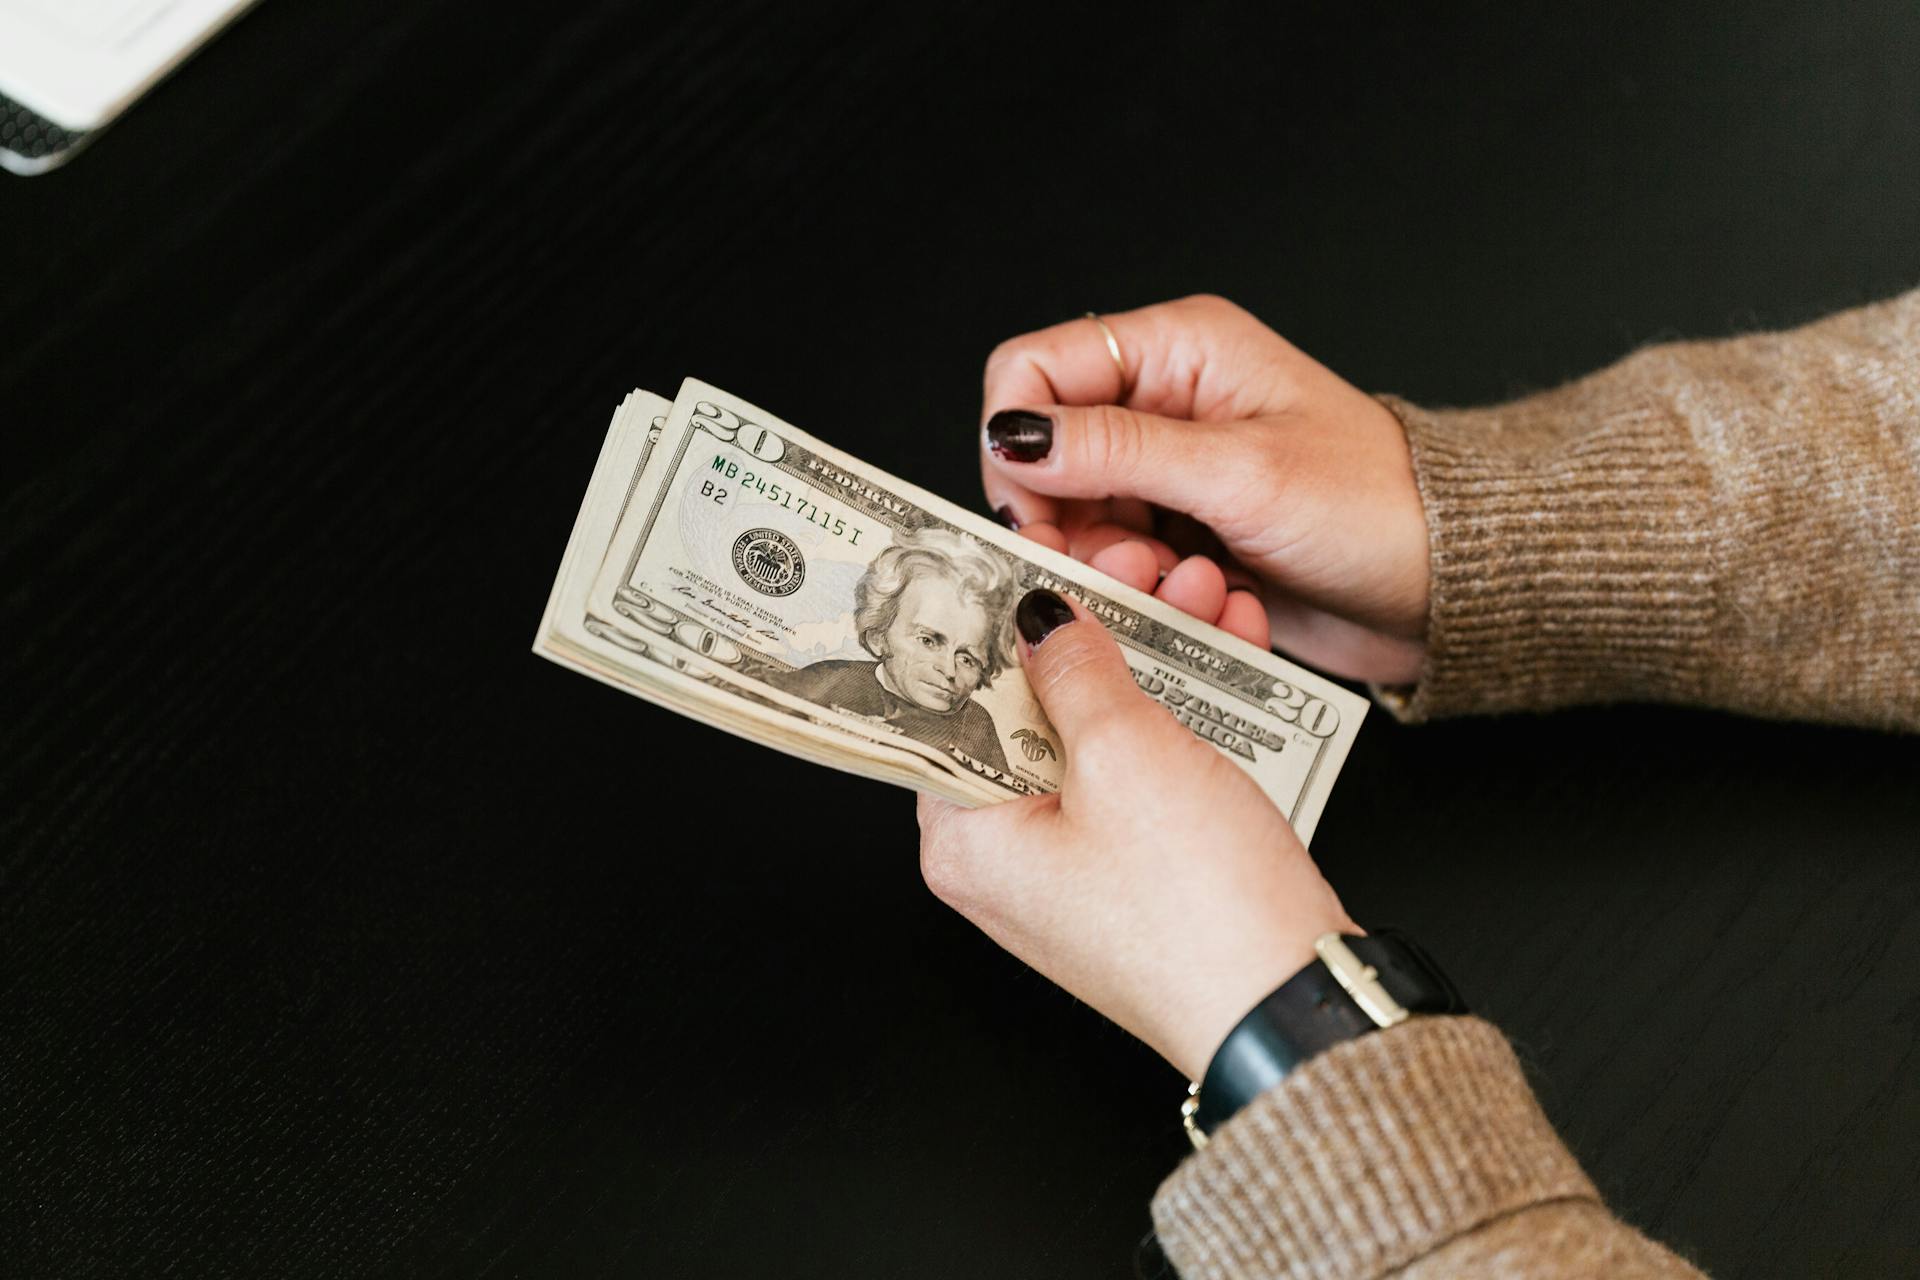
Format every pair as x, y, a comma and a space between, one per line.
1040, 614
1020, 436
1006, 517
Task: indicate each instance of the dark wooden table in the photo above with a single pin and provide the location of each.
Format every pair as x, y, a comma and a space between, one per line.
340, 936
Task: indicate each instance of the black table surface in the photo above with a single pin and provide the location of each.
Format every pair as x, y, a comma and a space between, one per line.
339, 935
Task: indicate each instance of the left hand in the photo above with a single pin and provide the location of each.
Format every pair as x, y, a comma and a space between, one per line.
1269, 471
1159, 885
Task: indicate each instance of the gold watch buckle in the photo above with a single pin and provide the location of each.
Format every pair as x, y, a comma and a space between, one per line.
1187, 1111
1356, 977
1359, 980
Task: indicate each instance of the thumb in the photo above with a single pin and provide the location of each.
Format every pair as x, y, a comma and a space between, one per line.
1108, 451
1076, 670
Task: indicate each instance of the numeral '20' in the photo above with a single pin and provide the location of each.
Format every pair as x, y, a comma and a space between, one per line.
727, 425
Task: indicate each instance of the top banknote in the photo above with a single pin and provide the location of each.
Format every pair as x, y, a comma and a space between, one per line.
759, 578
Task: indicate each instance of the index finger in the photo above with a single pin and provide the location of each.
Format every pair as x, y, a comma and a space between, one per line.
1201, 358
1067, 363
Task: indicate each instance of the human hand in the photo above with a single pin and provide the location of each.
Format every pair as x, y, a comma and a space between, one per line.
1159, 885
1305, 481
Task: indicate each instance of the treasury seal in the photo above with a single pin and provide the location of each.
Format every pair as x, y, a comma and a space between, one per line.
769, 561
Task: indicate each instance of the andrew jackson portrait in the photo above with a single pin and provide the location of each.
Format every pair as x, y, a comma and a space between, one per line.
935, 610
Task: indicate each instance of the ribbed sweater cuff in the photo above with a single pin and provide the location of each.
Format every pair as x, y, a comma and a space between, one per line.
1371, 1155
1569, 558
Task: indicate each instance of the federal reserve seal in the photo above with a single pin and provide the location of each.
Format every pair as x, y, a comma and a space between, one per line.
769, 561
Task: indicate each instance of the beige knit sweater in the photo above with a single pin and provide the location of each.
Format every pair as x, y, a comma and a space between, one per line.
1732, 524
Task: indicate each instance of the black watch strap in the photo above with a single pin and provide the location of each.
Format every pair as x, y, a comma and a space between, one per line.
1356, 985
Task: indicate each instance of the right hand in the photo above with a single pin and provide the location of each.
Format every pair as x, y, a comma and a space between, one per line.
1306, 481
1159, 884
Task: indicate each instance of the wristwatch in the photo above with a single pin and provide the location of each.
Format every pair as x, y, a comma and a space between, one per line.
1355, 985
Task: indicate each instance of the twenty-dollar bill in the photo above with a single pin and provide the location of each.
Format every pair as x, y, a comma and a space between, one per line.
737, 569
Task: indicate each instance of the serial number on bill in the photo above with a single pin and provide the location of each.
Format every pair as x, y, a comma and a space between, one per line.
781, 495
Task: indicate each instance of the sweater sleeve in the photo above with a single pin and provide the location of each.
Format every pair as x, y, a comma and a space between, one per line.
1732, 523
1417, 1151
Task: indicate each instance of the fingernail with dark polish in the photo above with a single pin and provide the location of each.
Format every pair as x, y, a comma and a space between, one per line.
1020, 436
1007, 518
1040, 614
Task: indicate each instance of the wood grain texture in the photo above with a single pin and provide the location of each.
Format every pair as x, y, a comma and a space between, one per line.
327, 945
